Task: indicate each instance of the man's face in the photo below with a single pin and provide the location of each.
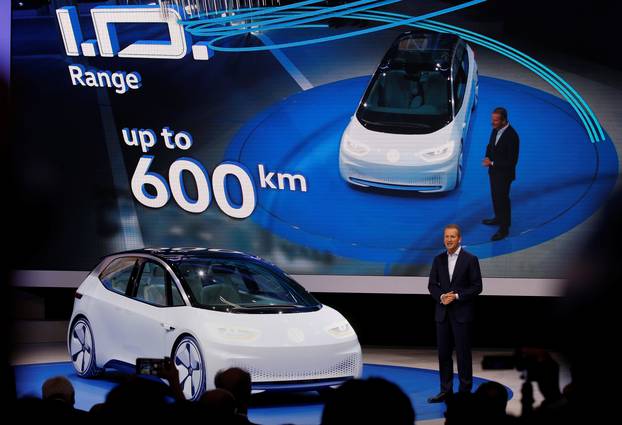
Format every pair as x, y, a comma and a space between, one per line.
497, 121
452, 239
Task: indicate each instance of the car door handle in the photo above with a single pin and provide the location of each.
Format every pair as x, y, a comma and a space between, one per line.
167, 327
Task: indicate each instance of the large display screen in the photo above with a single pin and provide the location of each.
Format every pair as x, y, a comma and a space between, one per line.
331, 138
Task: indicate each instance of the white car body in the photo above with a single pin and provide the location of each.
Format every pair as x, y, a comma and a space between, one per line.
281, 351
431, 162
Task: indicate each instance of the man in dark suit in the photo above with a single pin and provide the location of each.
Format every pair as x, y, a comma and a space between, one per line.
455, 281
501, 159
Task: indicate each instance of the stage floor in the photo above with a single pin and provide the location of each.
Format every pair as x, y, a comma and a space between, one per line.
414, 370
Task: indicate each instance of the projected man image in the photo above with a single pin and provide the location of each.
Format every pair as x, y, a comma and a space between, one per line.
455, 281
501, 159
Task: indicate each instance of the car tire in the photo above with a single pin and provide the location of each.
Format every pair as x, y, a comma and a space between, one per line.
476, 99
188, 359
460, 167
81, 345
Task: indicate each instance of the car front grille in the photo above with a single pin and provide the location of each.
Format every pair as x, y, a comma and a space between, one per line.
429, 180
347, 367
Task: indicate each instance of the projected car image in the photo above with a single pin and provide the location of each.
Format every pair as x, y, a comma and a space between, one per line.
209, 310
409, 129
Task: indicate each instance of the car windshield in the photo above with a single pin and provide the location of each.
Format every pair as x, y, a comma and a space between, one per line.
409, 93
243, 286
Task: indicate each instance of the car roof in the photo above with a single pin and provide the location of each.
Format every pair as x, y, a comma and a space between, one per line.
429, 40
176, 254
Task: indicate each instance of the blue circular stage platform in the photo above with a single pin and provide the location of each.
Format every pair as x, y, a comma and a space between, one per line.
267, 408
562, 178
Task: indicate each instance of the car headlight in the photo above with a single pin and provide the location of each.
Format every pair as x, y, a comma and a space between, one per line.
340, 330
231, 333
438, 154
355, 148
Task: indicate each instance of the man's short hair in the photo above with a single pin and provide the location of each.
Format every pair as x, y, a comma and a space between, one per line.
453, 226
58, 388
235, 380
501, 111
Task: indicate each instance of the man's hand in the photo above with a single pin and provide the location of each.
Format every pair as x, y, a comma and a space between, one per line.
171, 374
448, 298
169, 371
486, 162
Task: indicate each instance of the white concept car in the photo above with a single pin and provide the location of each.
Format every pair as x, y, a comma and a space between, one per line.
209, 310
409, 129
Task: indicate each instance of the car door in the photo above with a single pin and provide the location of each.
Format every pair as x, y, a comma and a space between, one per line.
108, 316
150, 319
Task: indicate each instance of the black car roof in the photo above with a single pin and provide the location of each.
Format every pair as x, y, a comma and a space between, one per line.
176, 254
433, 40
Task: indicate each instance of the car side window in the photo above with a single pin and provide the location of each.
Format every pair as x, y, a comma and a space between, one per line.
460, 80
151, 284
175, 295
155, 286
116, 276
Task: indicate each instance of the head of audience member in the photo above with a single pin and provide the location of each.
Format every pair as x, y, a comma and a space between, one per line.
139, 397
492, 400
372, 400
461, 409
59, 389
219, 405
237, 382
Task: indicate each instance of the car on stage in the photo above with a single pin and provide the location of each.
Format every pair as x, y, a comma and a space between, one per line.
209, 310
410, 127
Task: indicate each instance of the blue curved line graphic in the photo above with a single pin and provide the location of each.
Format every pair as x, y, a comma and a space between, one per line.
292, 20
548, 77
577, 102
213, 46
585, 114
562, 81
220, 25
231, 14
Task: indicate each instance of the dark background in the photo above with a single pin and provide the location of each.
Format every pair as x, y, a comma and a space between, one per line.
575, 29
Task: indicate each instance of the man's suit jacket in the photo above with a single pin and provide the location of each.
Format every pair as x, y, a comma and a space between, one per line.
504, 154
466, 282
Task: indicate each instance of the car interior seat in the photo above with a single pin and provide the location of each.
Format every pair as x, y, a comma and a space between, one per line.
400, 90
153, 290
220, 290
434, 87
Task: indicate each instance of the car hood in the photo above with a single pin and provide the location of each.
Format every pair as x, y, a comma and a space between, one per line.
319, 327
409, 146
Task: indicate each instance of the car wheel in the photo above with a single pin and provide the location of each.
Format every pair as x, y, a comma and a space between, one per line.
82, 349
189, 362
460, 167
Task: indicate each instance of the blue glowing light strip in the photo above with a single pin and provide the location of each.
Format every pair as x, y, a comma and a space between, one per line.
590, 122
328, 38
599, 130
231, 15
297, 15
291, 19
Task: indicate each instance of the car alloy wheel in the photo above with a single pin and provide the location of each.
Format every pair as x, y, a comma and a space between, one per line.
82, 348
189, 362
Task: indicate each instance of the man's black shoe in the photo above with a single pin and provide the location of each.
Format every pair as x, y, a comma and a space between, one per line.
490, 221
440, 397
501, 234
